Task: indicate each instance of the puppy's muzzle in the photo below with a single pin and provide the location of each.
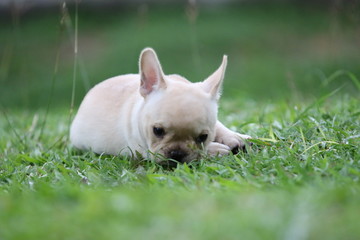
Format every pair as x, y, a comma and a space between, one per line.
177, 155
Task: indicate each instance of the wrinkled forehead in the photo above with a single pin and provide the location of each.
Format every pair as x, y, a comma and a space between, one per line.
183, 109
189, 105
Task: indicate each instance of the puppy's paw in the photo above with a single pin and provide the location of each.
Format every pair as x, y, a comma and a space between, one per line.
217, 149
235, 141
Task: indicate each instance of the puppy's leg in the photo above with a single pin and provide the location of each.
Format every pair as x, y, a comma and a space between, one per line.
233, 140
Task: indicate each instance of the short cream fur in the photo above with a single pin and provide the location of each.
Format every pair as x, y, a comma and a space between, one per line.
154, 114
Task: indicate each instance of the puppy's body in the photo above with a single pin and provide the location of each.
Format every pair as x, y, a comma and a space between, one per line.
104, 120
110, 117
153, 112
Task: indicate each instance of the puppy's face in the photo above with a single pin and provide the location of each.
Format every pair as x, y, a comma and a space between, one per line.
180, 122
179, 117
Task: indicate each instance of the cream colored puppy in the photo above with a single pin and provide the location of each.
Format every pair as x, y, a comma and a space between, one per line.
154, 114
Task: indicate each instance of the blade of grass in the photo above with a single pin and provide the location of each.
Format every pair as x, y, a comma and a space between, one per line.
318, 143
53, 79
340, 73
75, 63
317, 102
21, 141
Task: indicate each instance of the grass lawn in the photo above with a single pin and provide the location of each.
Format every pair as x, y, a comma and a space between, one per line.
300, 179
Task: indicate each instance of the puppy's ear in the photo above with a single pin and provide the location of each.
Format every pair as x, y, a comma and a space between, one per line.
151, 74
213, 83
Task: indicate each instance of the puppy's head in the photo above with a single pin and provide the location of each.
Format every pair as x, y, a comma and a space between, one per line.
179, 117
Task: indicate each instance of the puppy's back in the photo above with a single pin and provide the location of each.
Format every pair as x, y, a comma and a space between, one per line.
101, 114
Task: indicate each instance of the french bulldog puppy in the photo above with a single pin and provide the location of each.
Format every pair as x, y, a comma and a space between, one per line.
153, 114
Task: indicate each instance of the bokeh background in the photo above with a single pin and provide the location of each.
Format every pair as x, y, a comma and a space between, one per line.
300, 180
277, 49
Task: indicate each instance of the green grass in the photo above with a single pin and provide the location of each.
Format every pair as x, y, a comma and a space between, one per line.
292, 83
299, 181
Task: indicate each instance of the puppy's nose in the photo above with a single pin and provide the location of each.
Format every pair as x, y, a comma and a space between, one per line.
177, 155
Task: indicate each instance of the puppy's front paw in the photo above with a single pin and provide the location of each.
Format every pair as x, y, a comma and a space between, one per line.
235, 141
217, 149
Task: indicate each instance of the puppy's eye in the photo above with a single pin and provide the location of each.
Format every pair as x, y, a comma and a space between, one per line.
201, 138
158, 131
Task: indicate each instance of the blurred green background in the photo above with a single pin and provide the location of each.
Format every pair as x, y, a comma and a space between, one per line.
277, 49
300, 180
